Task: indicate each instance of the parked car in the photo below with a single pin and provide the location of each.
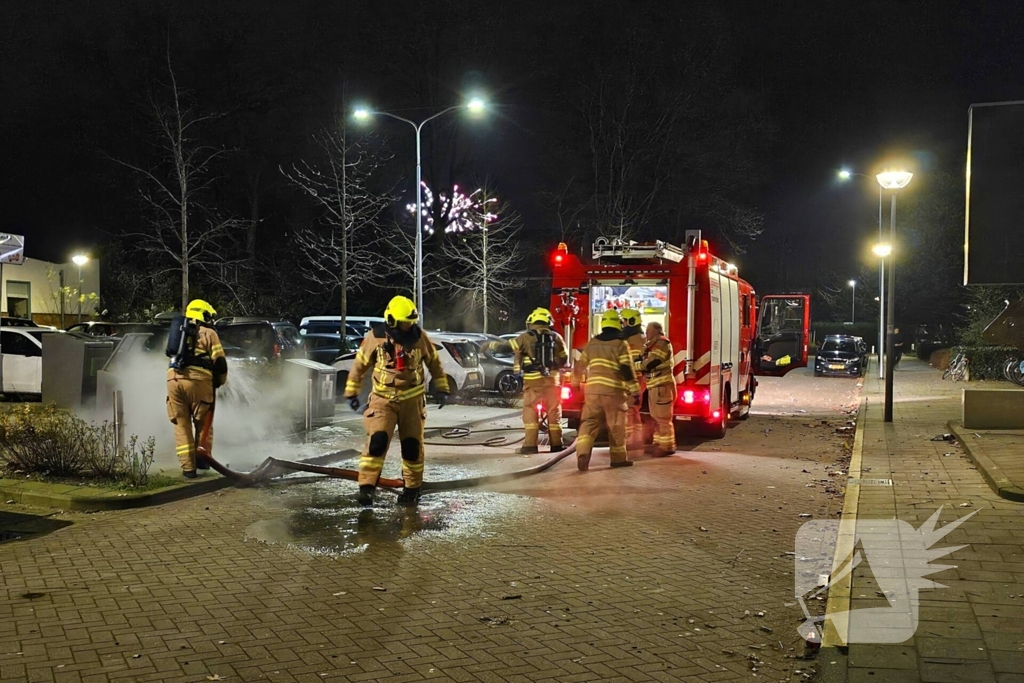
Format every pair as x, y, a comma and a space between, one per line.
259, 340
459, 359
329, 324
96, 328
324, 348
931, 337
365, 321
840, 355
18, 322
22, 358
497, 367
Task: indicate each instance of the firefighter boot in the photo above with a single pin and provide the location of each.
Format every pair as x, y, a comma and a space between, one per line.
527, 450
365, 497
409, 496
624, 463
583, 462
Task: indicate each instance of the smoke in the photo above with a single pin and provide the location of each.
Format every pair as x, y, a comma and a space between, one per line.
259, 412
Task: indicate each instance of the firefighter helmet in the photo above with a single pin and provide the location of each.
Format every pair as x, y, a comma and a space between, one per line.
401, 309
630, 317
200, 310
540, 316
611, 319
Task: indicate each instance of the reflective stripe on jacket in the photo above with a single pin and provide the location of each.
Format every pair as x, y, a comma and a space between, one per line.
397, 369
608, 366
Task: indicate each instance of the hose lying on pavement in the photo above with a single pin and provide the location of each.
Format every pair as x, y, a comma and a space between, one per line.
272, 468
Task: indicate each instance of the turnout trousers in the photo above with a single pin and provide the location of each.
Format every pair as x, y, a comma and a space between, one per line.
549, 396
660, 401
188, 403
603, 410
380, 419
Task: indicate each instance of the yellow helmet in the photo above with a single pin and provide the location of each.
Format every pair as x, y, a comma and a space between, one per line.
630, 317
611, 319
200, 310
540, 316
401, 309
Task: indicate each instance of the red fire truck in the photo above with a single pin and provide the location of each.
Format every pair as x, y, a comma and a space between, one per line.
720, 337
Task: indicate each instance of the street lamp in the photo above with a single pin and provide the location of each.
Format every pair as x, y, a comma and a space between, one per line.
475, 105
882, 251
853, 302
846, 174
80, 260
891, 180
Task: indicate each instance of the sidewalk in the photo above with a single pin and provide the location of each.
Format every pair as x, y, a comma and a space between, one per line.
973, 629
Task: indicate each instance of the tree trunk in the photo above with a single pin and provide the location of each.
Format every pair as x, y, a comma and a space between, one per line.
184, 252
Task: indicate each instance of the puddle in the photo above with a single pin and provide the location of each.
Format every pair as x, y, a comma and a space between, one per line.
323, 518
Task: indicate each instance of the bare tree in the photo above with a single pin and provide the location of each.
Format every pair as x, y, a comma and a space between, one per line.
181, 228
399, 262
343, 249
485, 255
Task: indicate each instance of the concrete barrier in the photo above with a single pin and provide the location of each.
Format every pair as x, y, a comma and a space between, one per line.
992, 408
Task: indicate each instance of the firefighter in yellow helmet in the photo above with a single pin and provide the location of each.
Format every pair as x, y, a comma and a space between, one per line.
539, 355
395, 352
608, 367
657, 365
633, 334
197, 368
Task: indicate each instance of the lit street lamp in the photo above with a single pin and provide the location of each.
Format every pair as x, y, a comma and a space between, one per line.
475, 106
853, 302
846, 174
80, 260
891, 180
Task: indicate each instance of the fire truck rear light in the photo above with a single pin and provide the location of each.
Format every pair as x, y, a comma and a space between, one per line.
707, 397
540, 407
566, 393
717, 414
558, 259
703, 256
688, 396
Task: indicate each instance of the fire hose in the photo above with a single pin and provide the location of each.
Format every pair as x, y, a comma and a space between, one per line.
272, 468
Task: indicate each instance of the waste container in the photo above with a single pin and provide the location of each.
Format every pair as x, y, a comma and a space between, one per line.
70, 366
110, 377
313, 386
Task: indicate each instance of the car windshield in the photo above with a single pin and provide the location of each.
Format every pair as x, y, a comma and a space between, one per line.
290, 334
842, 345
252, 337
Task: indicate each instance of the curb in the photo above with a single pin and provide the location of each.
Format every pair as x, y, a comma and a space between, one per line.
108, 502
1000, 484
839, 592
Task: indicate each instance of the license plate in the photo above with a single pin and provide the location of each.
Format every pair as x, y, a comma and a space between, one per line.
684, 417
835, 366
471, 375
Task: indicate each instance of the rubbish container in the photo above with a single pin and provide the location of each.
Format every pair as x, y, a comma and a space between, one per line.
70, 366
110, 377
313, 387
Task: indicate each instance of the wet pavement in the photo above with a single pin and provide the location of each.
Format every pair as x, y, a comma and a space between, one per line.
674, 569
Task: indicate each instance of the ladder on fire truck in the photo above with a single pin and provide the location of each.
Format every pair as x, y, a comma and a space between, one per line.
615, 248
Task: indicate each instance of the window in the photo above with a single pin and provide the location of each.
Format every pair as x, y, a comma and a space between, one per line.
14, 344
746, 310
19, 297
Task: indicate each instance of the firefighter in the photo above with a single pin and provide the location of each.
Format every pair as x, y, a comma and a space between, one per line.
539, 355
395, 352
661, 388
198, 367
633, 333
609, 376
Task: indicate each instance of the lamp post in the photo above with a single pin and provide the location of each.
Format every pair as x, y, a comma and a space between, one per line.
881, 250
846, 174
853, 302
80, 260
475, 106
891, 180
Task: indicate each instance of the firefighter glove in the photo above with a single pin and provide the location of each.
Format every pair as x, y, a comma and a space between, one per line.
442, 400
653, 364
353, 401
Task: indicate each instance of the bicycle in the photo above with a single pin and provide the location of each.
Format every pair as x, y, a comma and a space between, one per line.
957, 369
1013, 370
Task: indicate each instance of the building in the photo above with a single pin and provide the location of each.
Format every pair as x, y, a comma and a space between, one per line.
33, 290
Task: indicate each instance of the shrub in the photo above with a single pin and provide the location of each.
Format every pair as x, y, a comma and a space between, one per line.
986, 362
49, 441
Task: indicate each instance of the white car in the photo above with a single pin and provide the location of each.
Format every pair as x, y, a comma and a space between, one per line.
459, 358
22, 349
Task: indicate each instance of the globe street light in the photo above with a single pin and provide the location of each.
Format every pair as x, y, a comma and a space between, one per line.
475, 105
891, 180
853, 302
80, 260
846, 174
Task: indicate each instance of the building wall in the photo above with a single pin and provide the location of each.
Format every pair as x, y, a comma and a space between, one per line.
43, 278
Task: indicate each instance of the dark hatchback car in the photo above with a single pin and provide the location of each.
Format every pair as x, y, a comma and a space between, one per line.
260, 341
324, 348
840, 356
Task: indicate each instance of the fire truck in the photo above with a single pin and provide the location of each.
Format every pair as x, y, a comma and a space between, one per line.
721, 335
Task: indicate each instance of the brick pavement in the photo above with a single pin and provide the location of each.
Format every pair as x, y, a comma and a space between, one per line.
655, 573
973, 630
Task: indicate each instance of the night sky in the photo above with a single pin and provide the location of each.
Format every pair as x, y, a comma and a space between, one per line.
833, 84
